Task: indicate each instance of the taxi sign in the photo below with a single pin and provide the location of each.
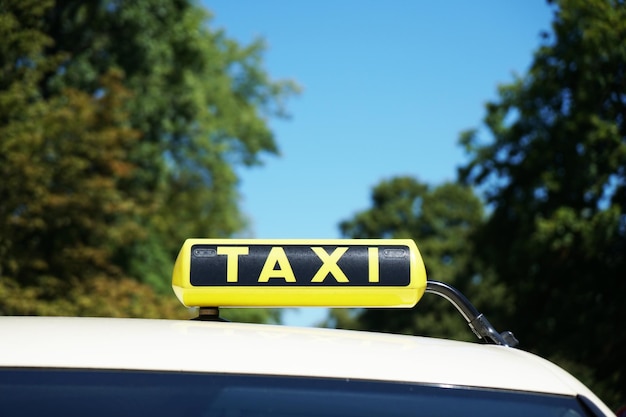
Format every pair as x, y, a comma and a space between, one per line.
299, 273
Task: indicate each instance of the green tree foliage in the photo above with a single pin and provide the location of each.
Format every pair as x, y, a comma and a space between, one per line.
554, 175
200, 100
439, 219
63, 161
120, 127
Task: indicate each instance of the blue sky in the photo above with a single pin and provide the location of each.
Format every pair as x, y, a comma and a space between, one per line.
387, 88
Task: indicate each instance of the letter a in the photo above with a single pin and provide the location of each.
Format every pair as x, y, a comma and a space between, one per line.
277, 256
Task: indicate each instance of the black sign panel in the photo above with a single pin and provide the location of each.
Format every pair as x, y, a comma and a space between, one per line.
299, 265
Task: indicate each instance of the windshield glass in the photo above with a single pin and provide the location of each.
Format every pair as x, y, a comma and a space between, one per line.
36, 392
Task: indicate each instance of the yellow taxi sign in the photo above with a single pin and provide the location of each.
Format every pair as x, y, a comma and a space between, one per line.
299, 273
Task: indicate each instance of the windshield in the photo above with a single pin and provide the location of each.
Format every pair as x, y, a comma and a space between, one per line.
36, 392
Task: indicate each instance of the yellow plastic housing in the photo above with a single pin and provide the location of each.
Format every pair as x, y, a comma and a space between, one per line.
299, 273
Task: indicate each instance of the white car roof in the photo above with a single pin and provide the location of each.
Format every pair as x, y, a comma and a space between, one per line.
222, 347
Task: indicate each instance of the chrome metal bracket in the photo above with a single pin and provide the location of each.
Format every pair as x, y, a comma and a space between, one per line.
475, 320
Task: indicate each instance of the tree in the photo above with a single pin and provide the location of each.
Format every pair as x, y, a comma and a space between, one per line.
121, 126
439, 219
62, 160
553, 174
200, 100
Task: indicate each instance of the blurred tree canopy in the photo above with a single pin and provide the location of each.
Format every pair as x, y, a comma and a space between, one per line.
121, 124
440, 220
554, 177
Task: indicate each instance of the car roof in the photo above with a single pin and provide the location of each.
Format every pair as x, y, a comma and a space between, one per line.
223, 347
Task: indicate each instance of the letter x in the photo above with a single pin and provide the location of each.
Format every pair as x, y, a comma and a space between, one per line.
329, 265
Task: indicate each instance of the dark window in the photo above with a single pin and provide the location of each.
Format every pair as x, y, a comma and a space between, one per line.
37, 392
